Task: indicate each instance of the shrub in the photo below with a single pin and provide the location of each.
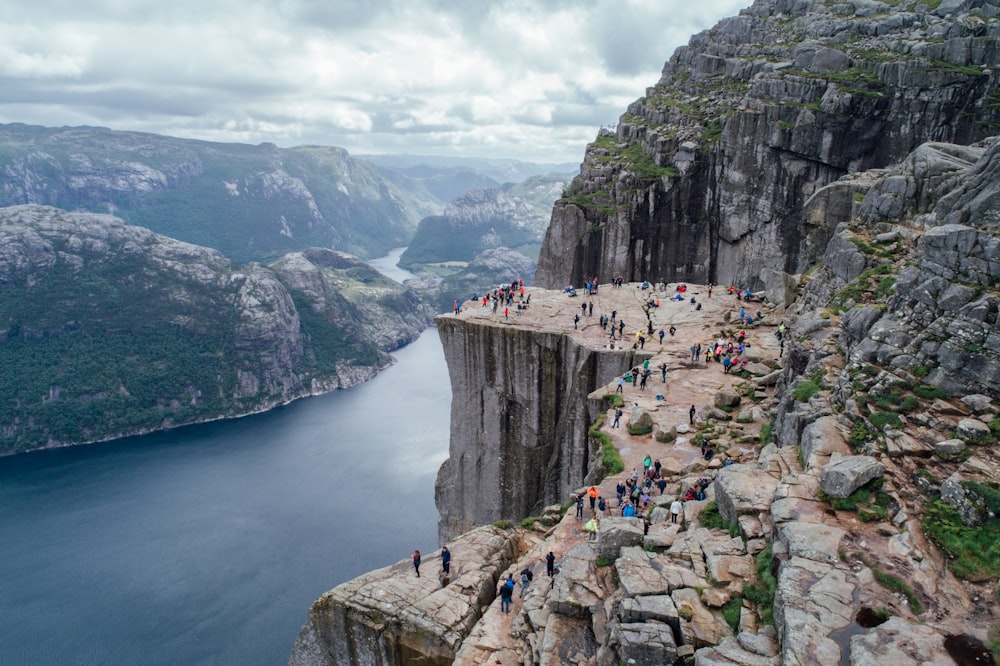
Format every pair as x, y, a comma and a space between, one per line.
604, 561
765, 433
711, 518
503, 524
882, 419
610, 458
805, 390
931, 392
731, 611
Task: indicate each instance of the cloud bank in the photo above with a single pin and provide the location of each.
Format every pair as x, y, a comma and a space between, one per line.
527, 80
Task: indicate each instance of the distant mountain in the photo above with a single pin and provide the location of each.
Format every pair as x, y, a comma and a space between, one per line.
499, 170
513, 216
108, 329
251, 203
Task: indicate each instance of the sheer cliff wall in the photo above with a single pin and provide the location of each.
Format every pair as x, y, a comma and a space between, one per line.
707, 177
520, 412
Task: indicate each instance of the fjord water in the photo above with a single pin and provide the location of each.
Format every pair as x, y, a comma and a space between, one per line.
207, 544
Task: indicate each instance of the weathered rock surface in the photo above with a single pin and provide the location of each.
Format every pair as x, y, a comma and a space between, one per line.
743, 489
843, 475
389, 612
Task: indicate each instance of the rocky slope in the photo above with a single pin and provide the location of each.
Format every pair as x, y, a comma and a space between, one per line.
108, 329
252, 203
853, 510
709, 176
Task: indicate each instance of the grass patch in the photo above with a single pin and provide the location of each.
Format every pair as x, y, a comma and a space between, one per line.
762, 594
613, 400
731, 611
503, 524
929, 392
766, 433
805, 390
711, 518
893, 584
604, 561
883, 419
610, 458
973, 552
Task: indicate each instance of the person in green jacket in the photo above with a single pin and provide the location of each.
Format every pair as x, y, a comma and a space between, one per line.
647, 462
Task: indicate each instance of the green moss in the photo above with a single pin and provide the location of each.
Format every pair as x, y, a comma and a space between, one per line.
762, 594
973, 552
731, 611
805, 390
503, 524
711, 518
882, 419
610, 458
931, 392
604, 561
766, 431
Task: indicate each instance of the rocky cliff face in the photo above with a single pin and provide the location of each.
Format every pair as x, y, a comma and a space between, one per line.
709, 176
252, 203
108, 329
521, 407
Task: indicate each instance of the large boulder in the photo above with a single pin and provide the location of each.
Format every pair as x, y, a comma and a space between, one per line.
845, 474
646, 644
727, 397
618, 533
900, 642
641, 573
972, 430
575, 590
743, 489
705, 626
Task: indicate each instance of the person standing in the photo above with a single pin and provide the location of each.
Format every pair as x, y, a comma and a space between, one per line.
416, 562
550, 563
691, 414
592, 492
675, 509
576, 320
526, 577
445, 560
579, 507
618, 416
506, 593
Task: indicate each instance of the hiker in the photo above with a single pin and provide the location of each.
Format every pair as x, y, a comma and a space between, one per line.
691, 414
506, 592
621, 380
618, 415
647, 462
673, 330
602, 506
663, 372
576, 320
592, 527
445, 560
550, 563
661, 336
579, 507
526, 577
592, 493
661, 483
416, 562
675, 509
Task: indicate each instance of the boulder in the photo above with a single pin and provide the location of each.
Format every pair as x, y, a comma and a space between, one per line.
972, 430
743, 489
653, 608
575, 590
949, 448
731, 651
706, 627
661, 536
670, 467
641, 573
977, 402
727, 398
658, 515
727, 568
762, 371
646, 643
618, 533
900, 642
666, 433
845, 474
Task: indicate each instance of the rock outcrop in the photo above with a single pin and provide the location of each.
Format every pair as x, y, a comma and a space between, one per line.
110, 329
721, 172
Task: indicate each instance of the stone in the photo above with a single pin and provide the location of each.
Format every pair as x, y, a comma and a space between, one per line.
659, 515
652, 608
666, 433
616, 533
727, 568
661, 536
727, 398
750, 526
949, 448
760, 370
742, 489
706, 627
845, 474
646, 643
641, 573
972, 430
811, 541
900, 642
731, 652
390, 609
670, 467
575, 590
977, 402
813, 599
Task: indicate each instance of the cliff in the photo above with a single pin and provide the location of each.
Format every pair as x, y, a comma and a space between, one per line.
252, 203
709, 176
852, 511
521, 407
108, 329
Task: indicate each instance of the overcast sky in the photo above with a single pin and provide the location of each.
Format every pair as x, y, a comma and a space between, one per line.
531, 80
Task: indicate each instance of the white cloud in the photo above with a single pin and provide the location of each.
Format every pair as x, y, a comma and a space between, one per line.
526, 79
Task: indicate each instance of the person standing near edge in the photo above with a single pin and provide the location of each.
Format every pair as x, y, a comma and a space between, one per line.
445, 560
416, 562
691, 413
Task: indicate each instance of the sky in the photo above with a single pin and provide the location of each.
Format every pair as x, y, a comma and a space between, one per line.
531, 80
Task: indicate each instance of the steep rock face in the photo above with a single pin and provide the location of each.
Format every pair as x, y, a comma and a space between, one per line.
519, 418
108, 329
249, 202
709, 176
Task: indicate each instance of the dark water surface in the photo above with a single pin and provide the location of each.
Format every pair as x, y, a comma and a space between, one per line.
207, 544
